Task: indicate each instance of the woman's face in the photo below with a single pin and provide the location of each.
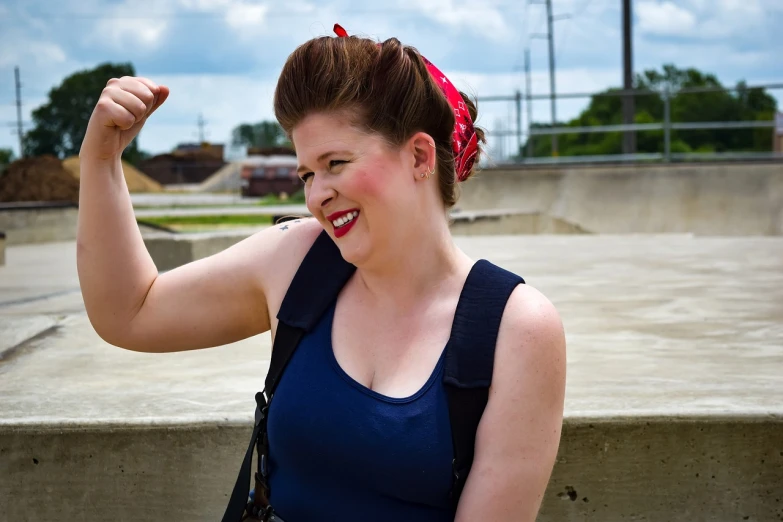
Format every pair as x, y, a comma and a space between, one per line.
356, 185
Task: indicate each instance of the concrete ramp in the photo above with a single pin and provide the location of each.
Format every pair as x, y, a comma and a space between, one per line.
674, 401
503, 222
723, 200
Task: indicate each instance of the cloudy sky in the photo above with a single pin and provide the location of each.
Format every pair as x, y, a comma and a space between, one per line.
221, 58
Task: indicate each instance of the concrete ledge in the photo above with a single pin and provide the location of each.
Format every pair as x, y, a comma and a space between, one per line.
170, 250
38, 222
152, 474
728, 199
686, 469
673, 469
173, 250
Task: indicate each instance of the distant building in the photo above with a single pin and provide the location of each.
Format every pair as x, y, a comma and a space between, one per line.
276, 174
212, 150
188, 163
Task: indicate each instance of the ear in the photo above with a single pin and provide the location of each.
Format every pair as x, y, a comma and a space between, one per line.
423, 154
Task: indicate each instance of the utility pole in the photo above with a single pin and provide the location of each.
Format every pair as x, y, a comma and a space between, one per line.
500, 131
629, 137
19, 112
201, 124
550, 35
529, 94
518, 96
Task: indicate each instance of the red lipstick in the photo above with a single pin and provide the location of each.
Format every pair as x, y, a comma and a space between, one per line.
340, 231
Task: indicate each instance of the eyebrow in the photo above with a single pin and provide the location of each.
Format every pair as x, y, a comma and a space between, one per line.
322, 157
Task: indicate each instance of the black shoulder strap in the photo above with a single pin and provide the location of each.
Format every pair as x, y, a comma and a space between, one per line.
317, 283
470, 357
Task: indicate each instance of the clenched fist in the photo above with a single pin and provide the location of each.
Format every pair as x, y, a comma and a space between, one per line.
123, 108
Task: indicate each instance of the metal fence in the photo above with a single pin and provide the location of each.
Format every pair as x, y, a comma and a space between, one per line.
667, 126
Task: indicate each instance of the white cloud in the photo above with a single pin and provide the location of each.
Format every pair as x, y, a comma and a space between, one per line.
732, 19
122, 32
665, 18
122, 26
486, 21
32, 53
245, 15
204, 5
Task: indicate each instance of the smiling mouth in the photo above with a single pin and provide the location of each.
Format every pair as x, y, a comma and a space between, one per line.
345, 220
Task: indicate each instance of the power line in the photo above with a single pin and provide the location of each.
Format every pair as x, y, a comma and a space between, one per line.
561, 44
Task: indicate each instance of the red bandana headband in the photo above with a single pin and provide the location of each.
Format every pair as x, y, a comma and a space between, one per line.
464, 143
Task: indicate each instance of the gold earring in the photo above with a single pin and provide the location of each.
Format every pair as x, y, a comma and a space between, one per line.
428, 173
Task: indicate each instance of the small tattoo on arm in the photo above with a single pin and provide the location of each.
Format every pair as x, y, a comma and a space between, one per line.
284, 227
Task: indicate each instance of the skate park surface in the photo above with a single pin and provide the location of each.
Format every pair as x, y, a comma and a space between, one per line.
674, 403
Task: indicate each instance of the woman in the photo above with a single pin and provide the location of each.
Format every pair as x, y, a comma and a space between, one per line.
381, 146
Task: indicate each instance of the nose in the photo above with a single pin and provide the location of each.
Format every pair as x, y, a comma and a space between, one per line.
319, 193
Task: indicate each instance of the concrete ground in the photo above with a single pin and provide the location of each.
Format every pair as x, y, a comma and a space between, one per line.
674, 406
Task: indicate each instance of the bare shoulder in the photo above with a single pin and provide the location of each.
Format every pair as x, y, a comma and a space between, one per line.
531, 330
282, 248
530, 356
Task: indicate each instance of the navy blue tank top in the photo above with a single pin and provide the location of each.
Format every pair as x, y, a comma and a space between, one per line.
340, 451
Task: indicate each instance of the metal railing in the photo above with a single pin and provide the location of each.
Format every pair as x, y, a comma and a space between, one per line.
667, 126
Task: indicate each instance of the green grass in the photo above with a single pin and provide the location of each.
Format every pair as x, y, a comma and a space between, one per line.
297, 198
238, 220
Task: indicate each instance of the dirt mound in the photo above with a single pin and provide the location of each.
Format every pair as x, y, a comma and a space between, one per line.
134, 178
42, 178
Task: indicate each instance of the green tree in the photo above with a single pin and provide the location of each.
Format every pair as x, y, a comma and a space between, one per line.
60, 124
263, 134
6, 156
743, 104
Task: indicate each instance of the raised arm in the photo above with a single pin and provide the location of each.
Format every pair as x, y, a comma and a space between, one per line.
209, 302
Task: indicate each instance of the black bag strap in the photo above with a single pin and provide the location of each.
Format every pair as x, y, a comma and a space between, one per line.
316, 284
320, 277
238, 501
470, 357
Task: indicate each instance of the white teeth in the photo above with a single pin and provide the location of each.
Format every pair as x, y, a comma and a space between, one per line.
345, 219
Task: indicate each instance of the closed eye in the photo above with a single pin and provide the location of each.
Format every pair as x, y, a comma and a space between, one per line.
332, 164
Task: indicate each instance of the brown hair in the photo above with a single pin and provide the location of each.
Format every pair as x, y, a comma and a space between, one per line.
387, 87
